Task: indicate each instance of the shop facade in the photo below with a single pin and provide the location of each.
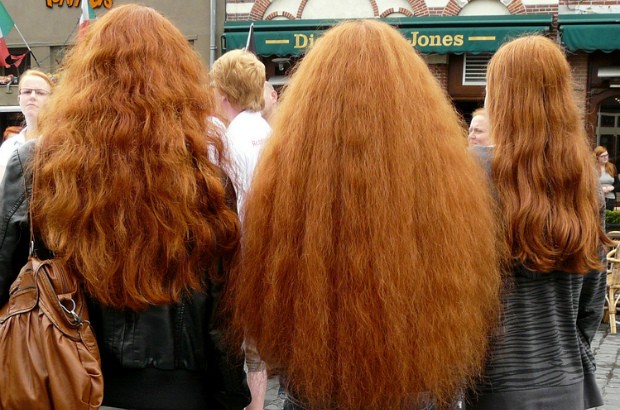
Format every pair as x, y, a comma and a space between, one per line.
456, 38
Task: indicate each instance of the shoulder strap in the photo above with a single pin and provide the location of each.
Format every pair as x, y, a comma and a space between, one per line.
26, 157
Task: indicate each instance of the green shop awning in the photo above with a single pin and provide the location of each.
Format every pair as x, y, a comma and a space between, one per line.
429, 35
590, 32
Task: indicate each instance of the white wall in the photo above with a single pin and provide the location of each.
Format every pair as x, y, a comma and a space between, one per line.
484, 8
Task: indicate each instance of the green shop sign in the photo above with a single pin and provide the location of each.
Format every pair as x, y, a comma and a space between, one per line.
590, 32
429, 35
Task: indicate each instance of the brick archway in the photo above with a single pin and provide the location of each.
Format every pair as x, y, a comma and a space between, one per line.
260, 7
275, 14
516, 7
419, 7
302, 6
454, 7
401, 10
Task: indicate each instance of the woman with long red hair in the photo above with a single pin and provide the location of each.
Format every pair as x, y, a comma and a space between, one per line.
362, 280
126, 196
550, 212
607, 175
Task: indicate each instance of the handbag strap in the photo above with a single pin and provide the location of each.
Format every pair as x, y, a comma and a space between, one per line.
29, 198
30, 175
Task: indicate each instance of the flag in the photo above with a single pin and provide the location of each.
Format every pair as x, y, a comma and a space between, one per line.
6, 25
250, 45
17, 60
88, 14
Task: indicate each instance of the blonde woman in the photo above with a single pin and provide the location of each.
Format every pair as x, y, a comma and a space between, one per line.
32, 93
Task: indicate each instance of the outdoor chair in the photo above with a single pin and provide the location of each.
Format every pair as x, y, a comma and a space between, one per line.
612, 296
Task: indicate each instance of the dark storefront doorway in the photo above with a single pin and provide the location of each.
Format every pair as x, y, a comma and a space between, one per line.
608, 127
465, 108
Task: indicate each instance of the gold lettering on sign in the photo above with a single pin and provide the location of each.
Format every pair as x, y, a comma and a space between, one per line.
95, 4
435, 40
303, 41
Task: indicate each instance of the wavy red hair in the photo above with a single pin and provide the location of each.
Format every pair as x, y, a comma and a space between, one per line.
124, 189
369, 274
543, 163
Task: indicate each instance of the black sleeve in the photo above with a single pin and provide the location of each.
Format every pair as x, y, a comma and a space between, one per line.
14, 219
227, 380
591, 302
592, 296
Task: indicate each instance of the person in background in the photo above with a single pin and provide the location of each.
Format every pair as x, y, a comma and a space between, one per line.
32, 94
126, 196
608, 175
359, 281
271, 101
550, 212
238, 78
479, 129
11, 131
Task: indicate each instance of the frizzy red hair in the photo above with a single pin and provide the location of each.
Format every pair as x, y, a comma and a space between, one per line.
124, 190
543, 163
369, 274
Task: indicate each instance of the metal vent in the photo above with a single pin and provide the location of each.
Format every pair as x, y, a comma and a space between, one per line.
475, 69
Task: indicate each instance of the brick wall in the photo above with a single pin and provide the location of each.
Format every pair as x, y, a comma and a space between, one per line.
440, 71
579, 69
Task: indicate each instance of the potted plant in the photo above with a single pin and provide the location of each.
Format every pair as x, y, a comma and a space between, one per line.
612, 221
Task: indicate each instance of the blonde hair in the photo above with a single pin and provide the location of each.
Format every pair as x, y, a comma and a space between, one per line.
356, 263
543, 164
125, 193
240, 76
479, 111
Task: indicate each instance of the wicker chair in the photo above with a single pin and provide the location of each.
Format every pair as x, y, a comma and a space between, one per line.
612, 296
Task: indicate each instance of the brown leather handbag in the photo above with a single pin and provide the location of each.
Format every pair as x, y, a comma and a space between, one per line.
49, 357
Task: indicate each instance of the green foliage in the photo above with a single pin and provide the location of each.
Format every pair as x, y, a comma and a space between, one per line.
612, 217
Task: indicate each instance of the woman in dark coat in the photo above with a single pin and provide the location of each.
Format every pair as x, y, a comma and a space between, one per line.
127, 196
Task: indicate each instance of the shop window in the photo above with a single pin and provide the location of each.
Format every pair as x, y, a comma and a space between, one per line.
608, 127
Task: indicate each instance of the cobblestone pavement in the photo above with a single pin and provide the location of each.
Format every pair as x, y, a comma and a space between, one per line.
606, 348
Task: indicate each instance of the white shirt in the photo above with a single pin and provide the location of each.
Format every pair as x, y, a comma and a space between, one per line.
8, 147
245, 137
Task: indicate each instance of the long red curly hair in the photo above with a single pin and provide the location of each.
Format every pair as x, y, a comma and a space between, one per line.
542, 167
124, 189
369, 272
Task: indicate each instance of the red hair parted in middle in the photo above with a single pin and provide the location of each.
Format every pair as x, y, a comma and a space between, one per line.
543, 163
369, 273
125, 192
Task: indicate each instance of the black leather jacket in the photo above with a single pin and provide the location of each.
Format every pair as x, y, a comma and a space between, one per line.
166, 357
